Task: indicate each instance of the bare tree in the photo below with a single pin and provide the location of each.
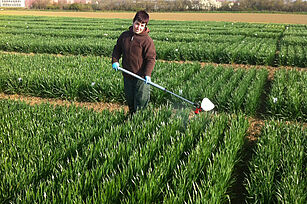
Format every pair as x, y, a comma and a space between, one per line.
40, 4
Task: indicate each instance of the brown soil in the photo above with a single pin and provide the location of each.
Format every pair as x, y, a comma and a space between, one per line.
97, 106
238, 191
254, 130
178, 16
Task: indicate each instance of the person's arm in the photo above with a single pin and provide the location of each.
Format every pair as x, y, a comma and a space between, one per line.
117, 51
150, 58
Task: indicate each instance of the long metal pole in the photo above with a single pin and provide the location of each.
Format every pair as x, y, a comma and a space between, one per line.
157, 86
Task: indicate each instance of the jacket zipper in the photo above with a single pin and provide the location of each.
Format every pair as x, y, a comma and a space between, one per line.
130, 44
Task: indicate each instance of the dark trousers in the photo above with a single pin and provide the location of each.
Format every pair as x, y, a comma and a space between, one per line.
137, 93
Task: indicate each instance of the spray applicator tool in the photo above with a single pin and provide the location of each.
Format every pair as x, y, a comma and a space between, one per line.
206, 105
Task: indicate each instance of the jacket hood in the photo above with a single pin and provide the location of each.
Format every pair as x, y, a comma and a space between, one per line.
145, 31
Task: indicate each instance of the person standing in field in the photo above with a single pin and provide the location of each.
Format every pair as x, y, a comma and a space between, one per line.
138, 54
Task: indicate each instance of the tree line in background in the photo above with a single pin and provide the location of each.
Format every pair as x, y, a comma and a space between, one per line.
268, 5
177, 5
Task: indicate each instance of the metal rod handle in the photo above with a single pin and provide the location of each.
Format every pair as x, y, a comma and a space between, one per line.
155, 85
141, 78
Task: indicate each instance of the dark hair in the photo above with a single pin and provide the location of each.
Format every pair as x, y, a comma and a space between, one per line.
141, 16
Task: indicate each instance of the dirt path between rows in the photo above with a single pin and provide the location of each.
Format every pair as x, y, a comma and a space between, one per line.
286, 18
96, 106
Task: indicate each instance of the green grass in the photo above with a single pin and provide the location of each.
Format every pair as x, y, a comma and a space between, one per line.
62, 154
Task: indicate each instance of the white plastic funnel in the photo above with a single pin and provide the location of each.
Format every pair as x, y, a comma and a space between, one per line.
207, 105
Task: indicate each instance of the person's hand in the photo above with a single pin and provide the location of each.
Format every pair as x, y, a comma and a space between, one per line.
115, 66
147, 79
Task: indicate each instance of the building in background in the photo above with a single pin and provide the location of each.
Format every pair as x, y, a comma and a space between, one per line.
28, 3
12, 3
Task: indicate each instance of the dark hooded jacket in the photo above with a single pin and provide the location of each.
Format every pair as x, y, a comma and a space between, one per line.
138, 52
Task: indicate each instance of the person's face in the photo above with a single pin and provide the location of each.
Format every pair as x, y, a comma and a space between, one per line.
138, 27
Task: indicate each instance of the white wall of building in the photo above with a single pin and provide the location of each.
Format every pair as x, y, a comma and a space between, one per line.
12, 3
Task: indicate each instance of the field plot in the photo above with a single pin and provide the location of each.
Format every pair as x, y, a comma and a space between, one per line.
221, 42
278, 169
74, 155
68, 77
288, 96
293, 48
80, 78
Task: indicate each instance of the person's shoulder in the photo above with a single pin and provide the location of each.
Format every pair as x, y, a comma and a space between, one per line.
149, 39
147, 34
124, 34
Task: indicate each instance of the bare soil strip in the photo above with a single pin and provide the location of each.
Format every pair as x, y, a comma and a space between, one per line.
254, 130
96, 106
178, 16
238, 191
